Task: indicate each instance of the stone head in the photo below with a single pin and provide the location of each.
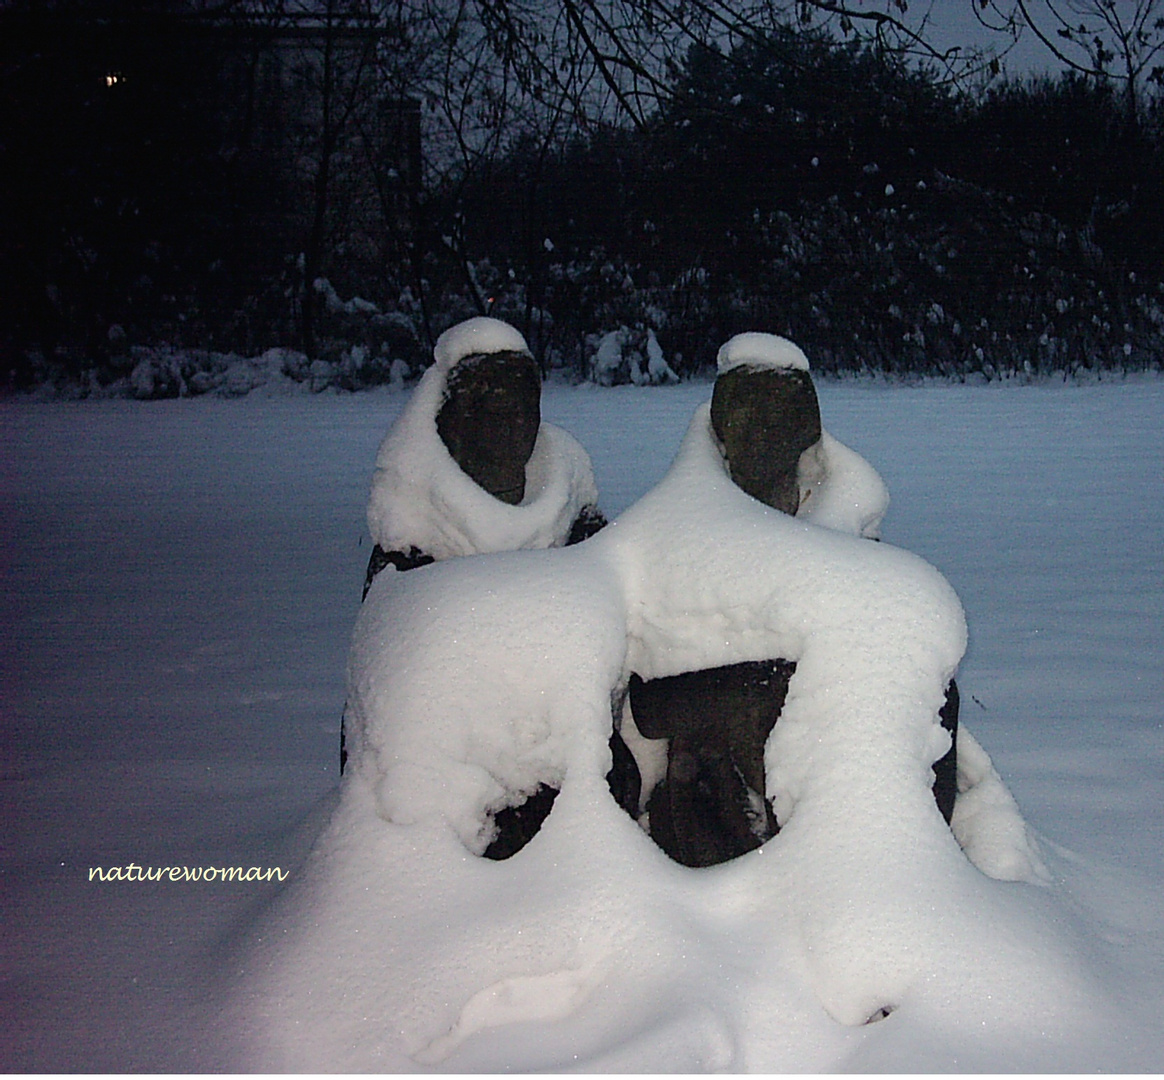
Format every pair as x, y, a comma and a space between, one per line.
765, 418
490, 417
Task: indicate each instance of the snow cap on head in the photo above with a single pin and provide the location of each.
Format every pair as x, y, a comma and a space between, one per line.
472, 337
760, 350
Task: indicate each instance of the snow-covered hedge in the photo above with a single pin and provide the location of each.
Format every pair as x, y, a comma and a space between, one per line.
167, 372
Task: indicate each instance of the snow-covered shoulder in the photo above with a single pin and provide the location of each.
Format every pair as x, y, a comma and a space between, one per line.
470, 682
422, 498
840, 490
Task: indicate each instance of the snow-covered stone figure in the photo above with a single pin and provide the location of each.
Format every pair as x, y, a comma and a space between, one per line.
469, 468
766, 422
711, 805
765, 414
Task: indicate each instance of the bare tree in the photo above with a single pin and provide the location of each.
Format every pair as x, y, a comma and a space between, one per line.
547, 70
620, 54
1117, 39
335, 67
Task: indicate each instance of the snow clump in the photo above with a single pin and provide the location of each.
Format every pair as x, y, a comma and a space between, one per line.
473, 337
760, 350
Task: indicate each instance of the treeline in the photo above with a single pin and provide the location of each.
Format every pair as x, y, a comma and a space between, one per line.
235, 186
880, 220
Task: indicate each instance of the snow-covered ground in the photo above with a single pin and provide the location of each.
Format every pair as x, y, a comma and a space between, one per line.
181, 582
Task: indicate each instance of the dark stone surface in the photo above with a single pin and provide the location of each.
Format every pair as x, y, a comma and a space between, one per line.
518, 825
624, 779
589, 521
712, 804
402, 560
489, 420
946, 767
765, 418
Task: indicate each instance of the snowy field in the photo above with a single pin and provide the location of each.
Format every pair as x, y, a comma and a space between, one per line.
181, 580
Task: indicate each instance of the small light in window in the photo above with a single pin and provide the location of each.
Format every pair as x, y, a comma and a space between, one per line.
114, 78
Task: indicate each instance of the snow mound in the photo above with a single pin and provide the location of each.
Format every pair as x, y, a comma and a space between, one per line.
473, 681
760, 350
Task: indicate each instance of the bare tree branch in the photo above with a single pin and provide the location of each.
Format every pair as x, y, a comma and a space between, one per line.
1086, 36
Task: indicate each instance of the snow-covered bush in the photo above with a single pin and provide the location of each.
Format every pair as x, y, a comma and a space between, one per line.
360, 344
170, 373
631, 355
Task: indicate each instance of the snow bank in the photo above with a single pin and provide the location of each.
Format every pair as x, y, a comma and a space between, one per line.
474, 680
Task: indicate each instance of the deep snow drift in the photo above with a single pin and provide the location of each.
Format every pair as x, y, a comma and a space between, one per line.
182, 584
